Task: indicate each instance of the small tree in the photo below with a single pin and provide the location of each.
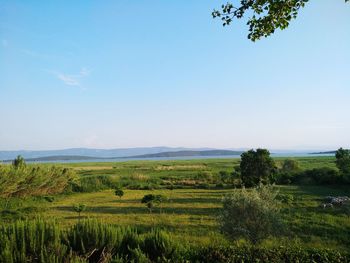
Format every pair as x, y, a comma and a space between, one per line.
79, 208
18, 162
152, 200
251, 214
119, 192
343, 162
256, 167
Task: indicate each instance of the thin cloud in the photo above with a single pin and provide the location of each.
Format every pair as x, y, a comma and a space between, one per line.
72, 80
85, 72
68, 79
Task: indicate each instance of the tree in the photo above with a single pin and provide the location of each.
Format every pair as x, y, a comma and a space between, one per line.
18, 162
119, 192
266, 15
151, 201
343, 161
79, 208
257, 167
252, 214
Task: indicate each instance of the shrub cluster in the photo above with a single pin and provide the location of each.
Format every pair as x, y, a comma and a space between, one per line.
86, 241
264, 255
316, 176
94, 183
93, 241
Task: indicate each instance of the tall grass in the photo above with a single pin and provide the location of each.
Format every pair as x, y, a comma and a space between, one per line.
94, 241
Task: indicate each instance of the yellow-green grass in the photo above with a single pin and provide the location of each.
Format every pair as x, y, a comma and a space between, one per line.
191, 214
178, 171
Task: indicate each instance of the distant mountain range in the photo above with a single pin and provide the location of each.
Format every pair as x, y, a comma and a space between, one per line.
189, 153
85, 153
183, 153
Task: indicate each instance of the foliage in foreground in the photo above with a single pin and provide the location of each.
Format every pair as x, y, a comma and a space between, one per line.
21, 180
265, 16
93, 241
266, 255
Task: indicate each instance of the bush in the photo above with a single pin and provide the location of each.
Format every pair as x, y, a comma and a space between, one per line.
119, 192
226, 254
250, 214
158, 246
285, 199
32, 241
95, 183
284, 178
94, 241
320, 176
317, 176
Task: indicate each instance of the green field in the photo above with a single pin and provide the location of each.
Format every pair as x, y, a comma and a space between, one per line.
190, 213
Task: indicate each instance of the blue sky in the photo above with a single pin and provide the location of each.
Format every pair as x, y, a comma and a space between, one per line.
110, 74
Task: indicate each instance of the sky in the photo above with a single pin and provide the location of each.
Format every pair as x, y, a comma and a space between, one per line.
116, 74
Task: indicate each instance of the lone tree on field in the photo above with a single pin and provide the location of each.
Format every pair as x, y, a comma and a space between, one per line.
265, 15
152, 200
257, 167
79, 208
252, 214
343, 162
119, 192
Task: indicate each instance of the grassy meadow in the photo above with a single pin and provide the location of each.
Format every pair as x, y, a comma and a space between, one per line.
190, 211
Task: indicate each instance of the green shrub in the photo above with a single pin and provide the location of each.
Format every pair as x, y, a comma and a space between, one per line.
159, 247
119, 192
285, 198
321, 176
227, 254
94, 241
31, 241
95, 183
251, 214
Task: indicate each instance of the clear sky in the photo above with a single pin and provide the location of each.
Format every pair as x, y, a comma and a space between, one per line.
110, 74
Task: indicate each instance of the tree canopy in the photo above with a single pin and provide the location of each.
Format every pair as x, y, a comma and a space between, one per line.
256, 167
343, 161
265, 16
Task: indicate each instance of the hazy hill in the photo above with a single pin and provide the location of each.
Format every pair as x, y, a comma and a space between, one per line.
189, 153
184, 153
95, 153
